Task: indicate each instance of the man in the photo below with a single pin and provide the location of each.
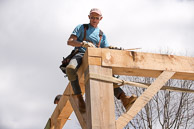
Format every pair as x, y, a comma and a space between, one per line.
82, 38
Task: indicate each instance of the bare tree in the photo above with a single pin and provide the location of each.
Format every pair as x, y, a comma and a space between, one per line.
167, 109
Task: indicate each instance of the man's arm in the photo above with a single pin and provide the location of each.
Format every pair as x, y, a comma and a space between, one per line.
72, 41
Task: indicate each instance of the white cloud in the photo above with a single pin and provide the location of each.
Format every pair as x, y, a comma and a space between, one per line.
33, 39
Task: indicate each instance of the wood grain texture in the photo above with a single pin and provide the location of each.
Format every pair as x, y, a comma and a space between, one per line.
100, 101
63, 109
147, 64
81, 117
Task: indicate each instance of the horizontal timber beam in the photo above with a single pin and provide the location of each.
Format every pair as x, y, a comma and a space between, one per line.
144, 64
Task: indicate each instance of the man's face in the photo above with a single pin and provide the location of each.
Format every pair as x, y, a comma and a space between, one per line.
94, 19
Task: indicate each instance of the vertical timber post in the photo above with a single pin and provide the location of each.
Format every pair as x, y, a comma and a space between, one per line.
99, 100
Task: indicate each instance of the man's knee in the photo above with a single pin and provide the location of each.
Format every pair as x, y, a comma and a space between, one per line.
71, 72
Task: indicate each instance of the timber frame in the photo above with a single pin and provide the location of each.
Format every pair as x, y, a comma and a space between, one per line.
100, 111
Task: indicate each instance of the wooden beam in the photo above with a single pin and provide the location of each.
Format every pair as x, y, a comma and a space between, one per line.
150, 73
64, 109
146, 96
100, 100
59, 125
118, 82
149, 61
144, 64
81, 117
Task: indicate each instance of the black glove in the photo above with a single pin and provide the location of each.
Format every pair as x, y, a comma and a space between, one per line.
117, 48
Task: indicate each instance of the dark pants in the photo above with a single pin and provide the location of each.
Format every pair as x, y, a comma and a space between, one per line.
71, 71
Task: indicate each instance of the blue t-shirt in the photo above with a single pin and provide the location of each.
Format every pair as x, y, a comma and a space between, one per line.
92, 35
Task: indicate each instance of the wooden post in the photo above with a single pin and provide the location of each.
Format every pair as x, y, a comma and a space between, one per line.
99, 100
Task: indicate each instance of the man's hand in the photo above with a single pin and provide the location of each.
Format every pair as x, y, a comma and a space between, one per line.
117, 48
87, 44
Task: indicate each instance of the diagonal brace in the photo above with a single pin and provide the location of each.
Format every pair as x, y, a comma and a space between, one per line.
146, 96
81, 117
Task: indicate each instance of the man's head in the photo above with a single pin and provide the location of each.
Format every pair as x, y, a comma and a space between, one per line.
57, 98
95, 16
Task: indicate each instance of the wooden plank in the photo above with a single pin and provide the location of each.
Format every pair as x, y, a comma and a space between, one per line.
146, 96
140, 60
64, 109
117, 83
150, 73
147, 64
100, 101
61, 115
81, 117
59, 112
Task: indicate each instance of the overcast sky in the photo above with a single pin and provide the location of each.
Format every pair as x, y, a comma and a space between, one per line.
33, 35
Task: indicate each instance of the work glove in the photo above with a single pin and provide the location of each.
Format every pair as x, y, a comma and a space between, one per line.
117, 48
87, 44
